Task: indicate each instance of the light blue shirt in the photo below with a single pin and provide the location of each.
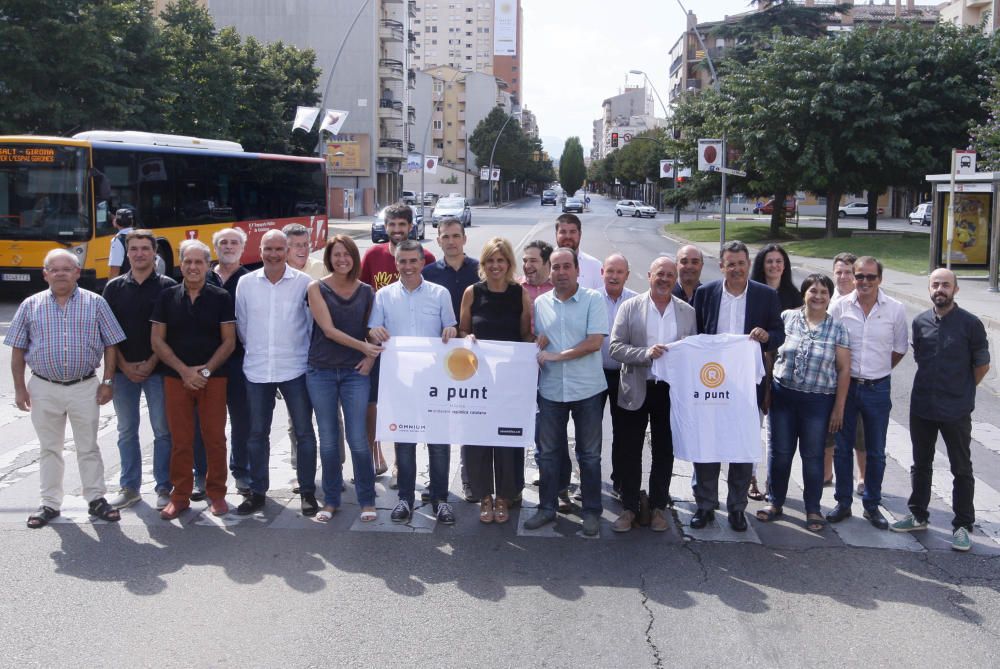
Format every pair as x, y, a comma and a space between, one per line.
422, 312
612, 306
566, 324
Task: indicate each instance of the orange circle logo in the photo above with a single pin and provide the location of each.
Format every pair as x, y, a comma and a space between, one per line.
461, 364
713, 374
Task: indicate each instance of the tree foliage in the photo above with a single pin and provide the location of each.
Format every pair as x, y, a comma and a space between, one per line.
518, 156
572, 172
72, 65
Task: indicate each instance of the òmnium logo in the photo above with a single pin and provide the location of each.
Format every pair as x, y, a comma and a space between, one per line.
712, 374
461, 364
392, 427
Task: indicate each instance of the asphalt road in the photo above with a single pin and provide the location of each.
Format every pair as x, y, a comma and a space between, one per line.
277, 589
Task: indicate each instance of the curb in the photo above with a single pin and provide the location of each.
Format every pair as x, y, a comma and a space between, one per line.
991, 323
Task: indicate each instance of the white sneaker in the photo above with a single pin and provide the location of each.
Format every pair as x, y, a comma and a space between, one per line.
125, 498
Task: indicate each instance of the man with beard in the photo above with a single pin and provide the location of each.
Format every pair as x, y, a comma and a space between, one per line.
568, 233
952, 355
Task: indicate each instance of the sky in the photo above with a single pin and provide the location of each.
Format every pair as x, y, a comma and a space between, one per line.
577, 53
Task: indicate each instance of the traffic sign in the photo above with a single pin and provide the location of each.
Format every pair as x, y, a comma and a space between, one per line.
709, 155
729, 170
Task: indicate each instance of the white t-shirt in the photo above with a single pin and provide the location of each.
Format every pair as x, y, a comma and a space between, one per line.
116, 255
590, 271
713, 397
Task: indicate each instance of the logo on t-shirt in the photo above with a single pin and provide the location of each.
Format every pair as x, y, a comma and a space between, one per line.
713, 374
383, 279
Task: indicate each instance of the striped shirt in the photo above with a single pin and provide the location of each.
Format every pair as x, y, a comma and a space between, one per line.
807, 360
64, 343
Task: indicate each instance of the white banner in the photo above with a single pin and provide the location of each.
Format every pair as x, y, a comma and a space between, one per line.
495, 175
333, 121
431, 164
709, 155
305, 118
413, 161
484, 174
480, 393
505, 28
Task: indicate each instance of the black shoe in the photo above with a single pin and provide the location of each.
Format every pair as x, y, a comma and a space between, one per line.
839, 513
702, 517
198, 492
252, 503
402, 512
565, 505
467, 493
309, 505
296, 490
444, 513
875, 517
738, 521
425, 495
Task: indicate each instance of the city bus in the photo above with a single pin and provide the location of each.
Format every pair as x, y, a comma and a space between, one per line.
63, 193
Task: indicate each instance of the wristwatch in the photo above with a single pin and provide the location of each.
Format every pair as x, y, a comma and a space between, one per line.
205, 372
107, 382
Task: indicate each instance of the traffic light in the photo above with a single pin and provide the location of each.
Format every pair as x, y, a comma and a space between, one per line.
614, 140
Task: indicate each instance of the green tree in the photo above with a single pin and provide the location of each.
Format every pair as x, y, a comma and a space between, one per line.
514, 151
774, 18
572, 171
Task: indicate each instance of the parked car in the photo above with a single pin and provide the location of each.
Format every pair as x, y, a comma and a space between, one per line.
922, 215
768, 207
856, 209
634, 208
573, 204
409, 197
455, 195
379, 233
430, 199
452, 207
549, 197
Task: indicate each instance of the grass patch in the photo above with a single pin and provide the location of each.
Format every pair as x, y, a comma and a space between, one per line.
905, 252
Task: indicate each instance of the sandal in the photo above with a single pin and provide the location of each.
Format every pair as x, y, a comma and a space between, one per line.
769, 513
500, 512
754, 492
42, 517
486, 513
325, 514
815, 522
368, 514
101, 510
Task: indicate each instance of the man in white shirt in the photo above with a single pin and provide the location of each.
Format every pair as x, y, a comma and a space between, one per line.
274, 323
568, 233
615, 274
877, 327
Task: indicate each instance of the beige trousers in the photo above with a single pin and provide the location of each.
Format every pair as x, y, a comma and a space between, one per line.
51, 405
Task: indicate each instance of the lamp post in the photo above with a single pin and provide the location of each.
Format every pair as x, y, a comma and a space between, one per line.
494, 150
673, 178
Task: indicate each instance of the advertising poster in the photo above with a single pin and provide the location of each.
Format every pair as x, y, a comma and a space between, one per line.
505, 28
970, 245
462, 392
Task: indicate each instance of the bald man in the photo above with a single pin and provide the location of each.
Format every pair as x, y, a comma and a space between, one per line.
690, 262
952, 355
614, 273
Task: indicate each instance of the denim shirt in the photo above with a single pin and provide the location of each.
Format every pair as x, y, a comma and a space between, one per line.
566, 324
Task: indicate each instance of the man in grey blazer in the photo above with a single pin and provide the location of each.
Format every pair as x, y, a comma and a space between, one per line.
645, 324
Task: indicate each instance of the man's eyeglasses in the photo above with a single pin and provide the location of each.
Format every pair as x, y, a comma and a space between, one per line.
865, 277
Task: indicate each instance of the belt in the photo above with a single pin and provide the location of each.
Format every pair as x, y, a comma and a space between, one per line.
65, 383
868, 382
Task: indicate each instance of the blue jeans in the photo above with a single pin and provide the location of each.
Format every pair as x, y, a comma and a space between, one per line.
126, 401
553, 445
327, 388
565, 464
873, 402
798, 418
260, 400
406, 466
239, 428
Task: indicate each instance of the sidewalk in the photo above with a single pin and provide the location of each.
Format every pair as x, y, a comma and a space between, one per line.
910, 289
356, 228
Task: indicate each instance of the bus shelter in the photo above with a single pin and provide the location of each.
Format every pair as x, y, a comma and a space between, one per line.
975, 241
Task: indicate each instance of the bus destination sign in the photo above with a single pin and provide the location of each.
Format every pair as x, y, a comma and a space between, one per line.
27, 154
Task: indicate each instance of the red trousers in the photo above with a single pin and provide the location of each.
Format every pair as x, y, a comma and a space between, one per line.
210, 405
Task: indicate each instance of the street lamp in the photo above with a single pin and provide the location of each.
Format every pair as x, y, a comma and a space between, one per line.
494, 149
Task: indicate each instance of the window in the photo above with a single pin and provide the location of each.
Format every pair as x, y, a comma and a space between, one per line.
437, 124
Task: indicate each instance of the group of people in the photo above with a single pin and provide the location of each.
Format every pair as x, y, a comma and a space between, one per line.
229, 341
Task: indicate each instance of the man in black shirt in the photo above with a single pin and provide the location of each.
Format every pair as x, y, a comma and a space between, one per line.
132, 297
952, 355
194, 332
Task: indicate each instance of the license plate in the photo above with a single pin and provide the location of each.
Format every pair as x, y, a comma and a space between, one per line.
16, 277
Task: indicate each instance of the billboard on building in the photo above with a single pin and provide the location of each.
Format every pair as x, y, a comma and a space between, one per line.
505, 28
349, 155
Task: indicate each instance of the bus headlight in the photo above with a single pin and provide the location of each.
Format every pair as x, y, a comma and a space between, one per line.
80, 251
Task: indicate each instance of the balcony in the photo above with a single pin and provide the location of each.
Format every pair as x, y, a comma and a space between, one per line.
411, 147
438, 133
693, 84
390, 109
390, 31
411, 80
411, 115
412, 46
412, 8
390, 149
389, 68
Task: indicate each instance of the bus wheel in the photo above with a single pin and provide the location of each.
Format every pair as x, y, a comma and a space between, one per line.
166, 255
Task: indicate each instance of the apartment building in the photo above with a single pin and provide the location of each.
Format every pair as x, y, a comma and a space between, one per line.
471, 36
972, 13
627, 113
372, 80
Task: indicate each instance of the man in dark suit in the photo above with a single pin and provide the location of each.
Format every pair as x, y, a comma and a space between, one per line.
734, 305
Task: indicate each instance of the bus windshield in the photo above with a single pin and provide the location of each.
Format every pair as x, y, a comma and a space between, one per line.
43, 193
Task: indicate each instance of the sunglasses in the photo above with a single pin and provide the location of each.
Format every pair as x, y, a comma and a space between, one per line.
865, 277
